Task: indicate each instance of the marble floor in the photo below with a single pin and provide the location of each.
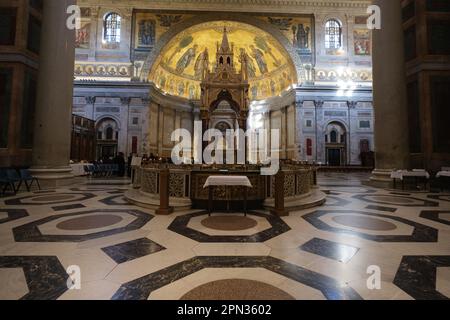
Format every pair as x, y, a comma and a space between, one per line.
364, 243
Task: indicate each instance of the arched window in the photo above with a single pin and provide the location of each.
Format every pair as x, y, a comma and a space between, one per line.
333, 34
333, 136
112, 23
109, 133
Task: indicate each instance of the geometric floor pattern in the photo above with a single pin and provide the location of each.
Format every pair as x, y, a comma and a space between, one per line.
121, 251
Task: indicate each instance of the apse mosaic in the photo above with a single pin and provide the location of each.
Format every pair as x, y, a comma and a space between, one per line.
178, 69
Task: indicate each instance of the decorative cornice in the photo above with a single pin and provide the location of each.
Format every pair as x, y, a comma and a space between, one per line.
280, 6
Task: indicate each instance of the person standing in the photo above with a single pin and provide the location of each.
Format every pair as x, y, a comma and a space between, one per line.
130, 158
120, 160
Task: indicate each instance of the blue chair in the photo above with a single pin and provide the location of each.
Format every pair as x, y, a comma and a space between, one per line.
5, 182
108, 170
26, 177
14, 177
103, 169
97, 170
115, 168
89, 169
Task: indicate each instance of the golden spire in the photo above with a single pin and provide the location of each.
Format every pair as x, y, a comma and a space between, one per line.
225, 47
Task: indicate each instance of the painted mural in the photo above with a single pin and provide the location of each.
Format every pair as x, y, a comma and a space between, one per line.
83, 35
181, 64
362, 42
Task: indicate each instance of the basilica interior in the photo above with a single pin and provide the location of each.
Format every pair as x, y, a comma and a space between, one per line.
224, 150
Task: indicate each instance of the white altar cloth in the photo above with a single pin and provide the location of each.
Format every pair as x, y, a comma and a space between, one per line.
443, 174
400, 174
228, 181
78, 169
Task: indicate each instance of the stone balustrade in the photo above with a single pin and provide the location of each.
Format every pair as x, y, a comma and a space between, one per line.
185, 185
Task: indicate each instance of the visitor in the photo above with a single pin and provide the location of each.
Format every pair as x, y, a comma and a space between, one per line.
130, 159
120, 161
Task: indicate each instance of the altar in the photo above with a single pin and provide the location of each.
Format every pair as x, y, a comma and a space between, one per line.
186, 187
223, 117
223, 196
240, 183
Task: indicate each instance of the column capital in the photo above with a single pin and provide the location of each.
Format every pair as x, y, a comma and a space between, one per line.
319, 104
125, 100
146, 100
352, 104
128, 12
94, 11
90, 100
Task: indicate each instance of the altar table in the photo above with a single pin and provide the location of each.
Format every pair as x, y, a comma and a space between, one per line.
417, 173
78, 169
227, 181
443, 176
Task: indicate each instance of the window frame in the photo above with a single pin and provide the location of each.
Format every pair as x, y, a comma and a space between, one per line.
112, 27
337, 34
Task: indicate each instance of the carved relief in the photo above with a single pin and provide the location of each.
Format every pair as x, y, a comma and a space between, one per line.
176, 185
149, 183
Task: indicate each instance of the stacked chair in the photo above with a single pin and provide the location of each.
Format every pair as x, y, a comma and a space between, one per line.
11, 179
101, 170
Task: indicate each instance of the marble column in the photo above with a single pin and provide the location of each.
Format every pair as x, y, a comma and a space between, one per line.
298, 131
52, 132
197, 140
389, 94
124, 134
320, 137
